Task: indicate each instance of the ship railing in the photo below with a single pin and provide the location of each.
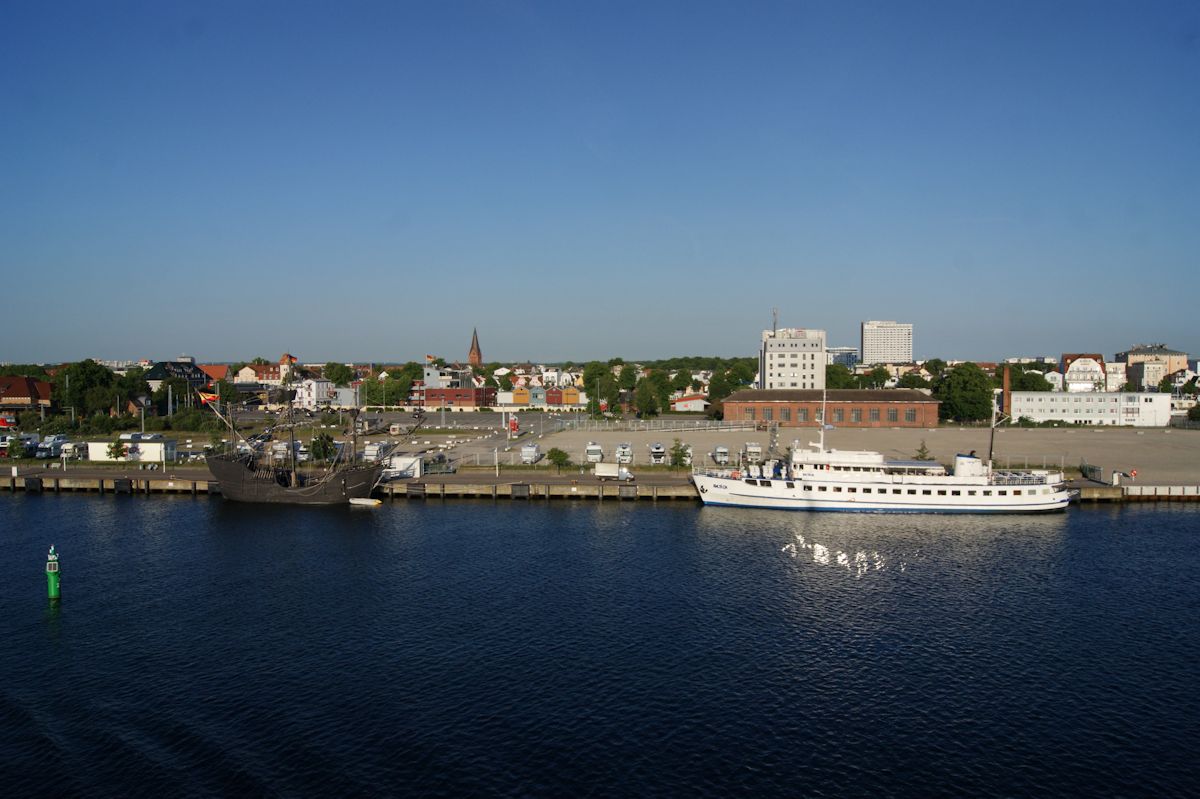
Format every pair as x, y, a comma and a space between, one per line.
1019, 479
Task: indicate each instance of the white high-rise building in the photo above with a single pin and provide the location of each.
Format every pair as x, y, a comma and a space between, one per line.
792, 357
886, 342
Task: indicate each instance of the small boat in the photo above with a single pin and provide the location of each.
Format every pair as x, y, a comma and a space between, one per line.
365, 502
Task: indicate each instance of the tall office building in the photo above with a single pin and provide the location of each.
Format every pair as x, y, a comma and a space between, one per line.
792, 357
886, 342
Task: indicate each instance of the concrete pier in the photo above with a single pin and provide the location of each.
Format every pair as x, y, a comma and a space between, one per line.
528, 486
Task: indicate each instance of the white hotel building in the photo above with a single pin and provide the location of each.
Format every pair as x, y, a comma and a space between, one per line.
792, 357
1093, 408
886, 342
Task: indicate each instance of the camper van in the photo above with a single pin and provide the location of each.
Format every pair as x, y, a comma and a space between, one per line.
51, 446
531, 453
720, 456
593, 453
658, 453
624, 453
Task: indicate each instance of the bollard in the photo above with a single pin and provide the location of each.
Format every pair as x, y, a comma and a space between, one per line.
52, 575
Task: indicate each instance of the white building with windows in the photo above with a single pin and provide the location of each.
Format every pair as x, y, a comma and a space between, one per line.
792, 357
1093, 408
886, 342
314, 394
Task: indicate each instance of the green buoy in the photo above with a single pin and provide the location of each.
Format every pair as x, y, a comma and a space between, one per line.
52, 575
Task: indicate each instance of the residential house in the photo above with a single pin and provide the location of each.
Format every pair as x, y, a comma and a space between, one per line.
163, 371
24, 394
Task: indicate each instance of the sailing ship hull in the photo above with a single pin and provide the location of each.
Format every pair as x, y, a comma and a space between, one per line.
243, 484
870, 497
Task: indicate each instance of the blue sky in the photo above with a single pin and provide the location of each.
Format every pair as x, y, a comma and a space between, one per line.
370, 181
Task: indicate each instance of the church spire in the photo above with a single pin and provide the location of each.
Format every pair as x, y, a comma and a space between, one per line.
475, 357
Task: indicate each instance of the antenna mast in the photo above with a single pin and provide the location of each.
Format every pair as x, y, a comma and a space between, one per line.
774, 322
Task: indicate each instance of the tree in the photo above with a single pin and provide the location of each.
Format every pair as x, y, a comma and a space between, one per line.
322, 447
679, 453
912, 380
176, 389
681, 381
1028, 381
226, 391
81, 377
1194, 413
922, 453
629, 377
719, 387
742, 372
965, 393
646, 398
117, 450
558, 458
505, 382
838, 376
875, 378
260, 361
339, 374
935, 367
1166, 385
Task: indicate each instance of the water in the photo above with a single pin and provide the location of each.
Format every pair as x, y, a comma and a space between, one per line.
468, 648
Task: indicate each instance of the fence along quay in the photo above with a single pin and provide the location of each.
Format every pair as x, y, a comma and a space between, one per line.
481, 487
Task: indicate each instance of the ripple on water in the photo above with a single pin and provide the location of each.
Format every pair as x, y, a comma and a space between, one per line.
454, 648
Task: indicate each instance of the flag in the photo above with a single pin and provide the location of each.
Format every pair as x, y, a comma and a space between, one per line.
206, 398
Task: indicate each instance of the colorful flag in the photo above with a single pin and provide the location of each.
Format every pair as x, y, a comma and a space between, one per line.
206, 398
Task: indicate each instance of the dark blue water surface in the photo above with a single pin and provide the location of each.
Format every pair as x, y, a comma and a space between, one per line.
466, 648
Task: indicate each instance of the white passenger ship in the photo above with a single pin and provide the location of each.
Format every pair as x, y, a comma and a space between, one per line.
817, 479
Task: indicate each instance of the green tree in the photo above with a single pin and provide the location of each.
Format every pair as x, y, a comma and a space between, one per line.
874, 378
912, 380
965, 393
681, 381
226, 391
1166, 385
117, 450
719, 387
839, 376
339, 374
322, 447
22, 370
258, 360
646, 398
559, 458
81, 377
742, 373
922, 453
175, 389
679, 453
505, 382
1024, 380
935, 367
1194, 413
629, 377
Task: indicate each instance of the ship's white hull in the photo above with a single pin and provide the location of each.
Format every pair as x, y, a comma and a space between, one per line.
880, 497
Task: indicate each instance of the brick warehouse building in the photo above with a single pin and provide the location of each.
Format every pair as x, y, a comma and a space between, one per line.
844, 407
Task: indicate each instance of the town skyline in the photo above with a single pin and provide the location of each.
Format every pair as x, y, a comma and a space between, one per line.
579, 182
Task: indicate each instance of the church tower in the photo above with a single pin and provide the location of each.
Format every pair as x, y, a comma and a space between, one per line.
475, 357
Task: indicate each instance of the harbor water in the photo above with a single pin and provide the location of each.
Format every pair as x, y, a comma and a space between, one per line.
563, 649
